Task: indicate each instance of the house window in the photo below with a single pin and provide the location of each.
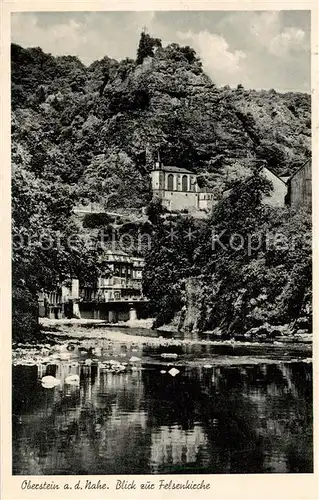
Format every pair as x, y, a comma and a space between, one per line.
170, 182
184, 183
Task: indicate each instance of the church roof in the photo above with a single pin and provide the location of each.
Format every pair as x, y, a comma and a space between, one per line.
175, 170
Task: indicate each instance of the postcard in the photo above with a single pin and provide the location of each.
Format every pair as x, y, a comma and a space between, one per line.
159, 249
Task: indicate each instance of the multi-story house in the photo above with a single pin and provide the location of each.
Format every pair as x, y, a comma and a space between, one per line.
118, 295
123, 283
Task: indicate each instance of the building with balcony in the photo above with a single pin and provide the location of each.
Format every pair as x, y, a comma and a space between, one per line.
61, 302
123, 283
117, 296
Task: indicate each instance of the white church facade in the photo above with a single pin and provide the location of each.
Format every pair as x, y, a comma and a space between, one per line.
178, 189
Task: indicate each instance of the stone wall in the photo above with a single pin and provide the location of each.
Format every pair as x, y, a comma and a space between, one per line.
179, 200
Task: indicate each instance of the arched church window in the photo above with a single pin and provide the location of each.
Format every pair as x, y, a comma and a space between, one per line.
170, 182
184, 183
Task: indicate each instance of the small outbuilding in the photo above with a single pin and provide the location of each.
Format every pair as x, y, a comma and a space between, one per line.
300, 187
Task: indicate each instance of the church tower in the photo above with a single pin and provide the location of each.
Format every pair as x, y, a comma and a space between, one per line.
158, 164
157, 176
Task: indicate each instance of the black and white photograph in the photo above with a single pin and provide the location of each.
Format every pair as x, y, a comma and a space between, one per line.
161, 195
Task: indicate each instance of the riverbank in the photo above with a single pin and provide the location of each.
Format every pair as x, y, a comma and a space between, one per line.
69, 336
137, 323
79, 328
59, 332
74, 344
116, 334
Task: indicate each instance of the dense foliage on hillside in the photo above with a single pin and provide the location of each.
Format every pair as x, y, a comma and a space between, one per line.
80, 121
48, 245
247, 267
82, 134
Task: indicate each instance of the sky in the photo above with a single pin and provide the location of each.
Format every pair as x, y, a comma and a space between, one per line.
264, 49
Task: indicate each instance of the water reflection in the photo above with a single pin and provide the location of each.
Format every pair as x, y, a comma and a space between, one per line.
243, 419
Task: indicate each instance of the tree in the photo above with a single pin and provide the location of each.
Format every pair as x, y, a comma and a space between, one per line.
48, 246
168, 263
189, 54
272, 153
113, 180
155, 211
146, 47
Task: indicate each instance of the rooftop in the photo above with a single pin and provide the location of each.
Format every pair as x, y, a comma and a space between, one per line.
285, 179
306, 163
176, 170
120, 256
117, 256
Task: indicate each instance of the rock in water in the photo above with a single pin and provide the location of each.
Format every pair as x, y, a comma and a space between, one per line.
134, 359
72, 379
171, 355
174, 372
48, 382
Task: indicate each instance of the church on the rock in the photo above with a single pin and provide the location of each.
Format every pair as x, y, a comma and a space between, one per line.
178, 189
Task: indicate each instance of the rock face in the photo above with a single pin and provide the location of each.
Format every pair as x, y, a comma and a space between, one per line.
190, 314
166, 103
195, 313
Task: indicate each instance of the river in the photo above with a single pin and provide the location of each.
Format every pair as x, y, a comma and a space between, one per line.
229, 409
